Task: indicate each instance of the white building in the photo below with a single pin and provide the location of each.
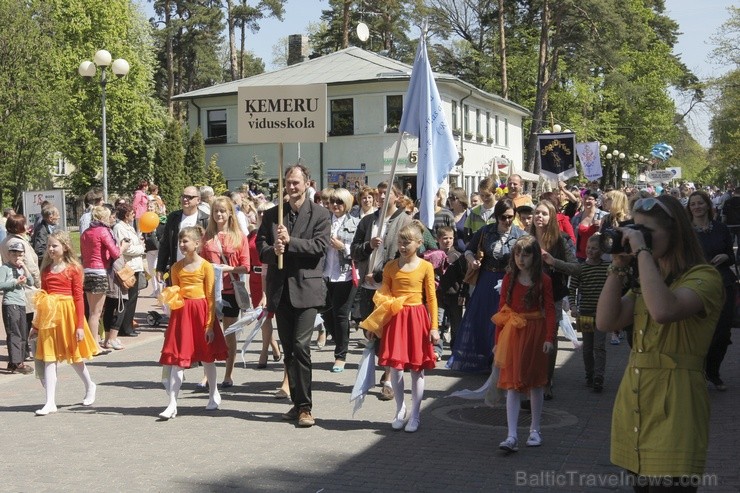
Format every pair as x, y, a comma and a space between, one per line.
365, 94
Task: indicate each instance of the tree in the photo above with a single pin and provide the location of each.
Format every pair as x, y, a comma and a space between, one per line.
256, 174
247, 18
215, 177
32, 88
195, 159
169, 172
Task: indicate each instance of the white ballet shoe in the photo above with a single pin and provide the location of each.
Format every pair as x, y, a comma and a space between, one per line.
400, 419
46, 410
90, 395
214, 402
169, 413
412, 425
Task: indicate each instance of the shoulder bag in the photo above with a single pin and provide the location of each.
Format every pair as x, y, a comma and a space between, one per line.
471, 275
240, 287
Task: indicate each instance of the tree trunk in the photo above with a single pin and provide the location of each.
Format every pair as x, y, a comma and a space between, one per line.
242, 43
170, 59
543, 84
232, 40
345, 23
502, 49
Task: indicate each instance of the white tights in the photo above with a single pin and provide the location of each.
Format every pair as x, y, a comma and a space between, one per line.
417, 392
513, 401
174, 382
50, 385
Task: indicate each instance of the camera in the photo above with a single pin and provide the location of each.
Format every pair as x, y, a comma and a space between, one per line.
611, 239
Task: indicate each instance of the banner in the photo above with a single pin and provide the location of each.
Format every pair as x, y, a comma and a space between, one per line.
676, 172
557, 155
660, 176
280, 114
588, 155
351, 179
423, 116
32, 205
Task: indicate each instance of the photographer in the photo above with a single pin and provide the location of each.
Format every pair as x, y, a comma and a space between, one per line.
660, 424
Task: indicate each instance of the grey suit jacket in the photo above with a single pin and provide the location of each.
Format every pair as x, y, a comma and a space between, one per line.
303, 261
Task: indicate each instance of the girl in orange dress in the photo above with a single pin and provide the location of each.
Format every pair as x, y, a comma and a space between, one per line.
193, 332
525, 329
408, 328
59, 324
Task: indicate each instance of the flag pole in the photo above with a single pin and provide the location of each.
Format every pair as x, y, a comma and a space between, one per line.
280, 197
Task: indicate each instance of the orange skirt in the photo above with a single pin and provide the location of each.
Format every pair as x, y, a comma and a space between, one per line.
527, 363
57, 340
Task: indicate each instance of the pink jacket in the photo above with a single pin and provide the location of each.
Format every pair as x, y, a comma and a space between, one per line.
139, 203
98, 247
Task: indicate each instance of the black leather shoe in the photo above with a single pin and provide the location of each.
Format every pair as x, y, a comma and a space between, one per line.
133, 333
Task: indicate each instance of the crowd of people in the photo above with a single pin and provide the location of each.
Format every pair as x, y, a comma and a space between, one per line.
489, 282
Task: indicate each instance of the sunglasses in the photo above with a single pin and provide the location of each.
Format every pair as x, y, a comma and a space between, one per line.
507, 217
336, 201
649, 203
188, 197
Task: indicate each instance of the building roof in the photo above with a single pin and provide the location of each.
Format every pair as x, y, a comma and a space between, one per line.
350, 65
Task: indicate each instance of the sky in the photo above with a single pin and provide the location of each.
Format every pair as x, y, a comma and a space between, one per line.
697, 20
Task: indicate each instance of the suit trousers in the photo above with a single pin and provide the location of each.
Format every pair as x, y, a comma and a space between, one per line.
295, 326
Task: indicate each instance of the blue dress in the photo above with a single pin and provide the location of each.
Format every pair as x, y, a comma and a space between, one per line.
475, 337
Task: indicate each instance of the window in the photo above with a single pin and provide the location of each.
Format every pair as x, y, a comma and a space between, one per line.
495, 130
342, 117
61, 165
506, 132
216, 127
477, 122
393, 111
488, 125
466, 119
455, 126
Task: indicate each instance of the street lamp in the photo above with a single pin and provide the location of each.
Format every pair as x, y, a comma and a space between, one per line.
87, 69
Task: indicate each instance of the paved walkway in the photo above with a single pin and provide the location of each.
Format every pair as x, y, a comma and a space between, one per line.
120, 445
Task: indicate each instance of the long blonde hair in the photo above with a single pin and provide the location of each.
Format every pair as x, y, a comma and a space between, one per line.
551, 234
620, 209
68, 257
233, 233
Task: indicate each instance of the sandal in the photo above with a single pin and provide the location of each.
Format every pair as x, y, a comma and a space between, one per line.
114, 344
227, 384
548, 396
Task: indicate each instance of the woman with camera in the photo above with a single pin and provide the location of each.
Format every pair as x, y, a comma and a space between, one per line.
716, 242
660, 423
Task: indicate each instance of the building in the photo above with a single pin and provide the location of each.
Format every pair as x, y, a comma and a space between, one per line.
365, 94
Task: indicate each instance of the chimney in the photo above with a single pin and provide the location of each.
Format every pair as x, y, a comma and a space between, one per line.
297, 48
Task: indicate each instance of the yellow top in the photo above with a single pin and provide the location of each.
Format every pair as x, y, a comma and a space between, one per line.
660, 424
416, 286
196, 285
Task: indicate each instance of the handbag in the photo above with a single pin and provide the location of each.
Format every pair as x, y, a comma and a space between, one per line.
243, 300
355, 275
471, 275
125, 277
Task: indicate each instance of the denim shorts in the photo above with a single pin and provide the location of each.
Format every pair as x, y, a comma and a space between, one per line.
95, 283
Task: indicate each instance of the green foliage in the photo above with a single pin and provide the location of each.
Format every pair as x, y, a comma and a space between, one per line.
195, 159
256, 174
215, 177
169, 169
32, 89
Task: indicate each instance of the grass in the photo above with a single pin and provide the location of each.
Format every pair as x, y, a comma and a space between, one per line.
74, 238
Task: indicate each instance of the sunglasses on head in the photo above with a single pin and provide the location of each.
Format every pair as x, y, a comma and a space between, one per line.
188, 197
649, 203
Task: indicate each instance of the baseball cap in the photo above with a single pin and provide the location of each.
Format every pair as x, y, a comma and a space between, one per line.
16, 246
525, 208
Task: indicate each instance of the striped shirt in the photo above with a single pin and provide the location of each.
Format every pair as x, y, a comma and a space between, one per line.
586, 287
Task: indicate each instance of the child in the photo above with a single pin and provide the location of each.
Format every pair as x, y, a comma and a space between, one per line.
449, 280
525, 329
13, 277
63, 333
585, 287
193, 333
407, 341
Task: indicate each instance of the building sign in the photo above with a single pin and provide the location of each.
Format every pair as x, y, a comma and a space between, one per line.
351, 179
281, 114
32, 205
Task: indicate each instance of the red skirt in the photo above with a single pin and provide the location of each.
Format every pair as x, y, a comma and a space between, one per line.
529, 363
405, 343
185, 338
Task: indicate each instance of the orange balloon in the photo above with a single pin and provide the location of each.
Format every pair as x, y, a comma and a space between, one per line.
148, 222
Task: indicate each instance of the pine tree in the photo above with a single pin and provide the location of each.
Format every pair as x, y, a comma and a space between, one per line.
169, 169
256, 174
195, 159
215, 177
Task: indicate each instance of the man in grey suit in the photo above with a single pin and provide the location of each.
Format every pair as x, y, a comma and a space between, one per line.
295, 292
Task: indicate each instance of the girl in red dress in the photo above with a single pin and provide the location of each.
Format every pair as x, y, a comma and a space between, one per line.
525, 329
193, 332
63, 333
408, 337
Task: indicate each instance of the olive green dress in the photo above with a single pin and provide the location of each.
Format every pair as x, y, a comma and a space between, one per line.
660, 424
